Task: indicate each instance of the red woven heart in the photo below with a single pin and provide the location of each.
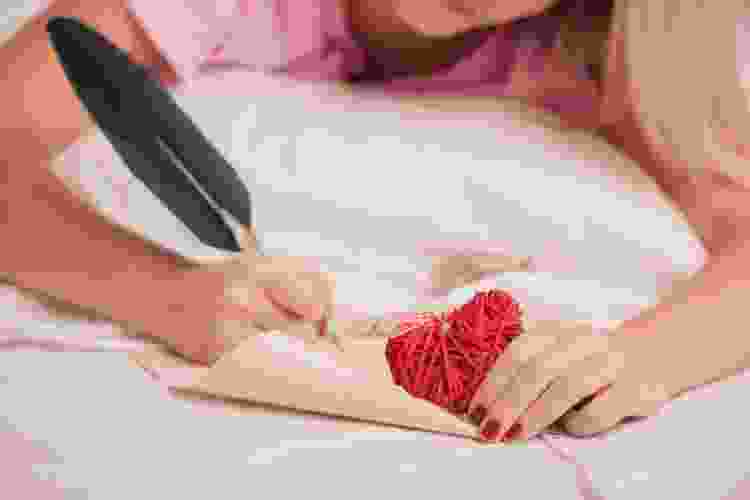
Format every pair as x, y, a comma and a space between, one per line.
444, 358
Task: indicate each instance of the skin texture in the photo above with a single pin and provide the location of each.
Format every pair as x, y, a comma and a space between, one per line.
422, 33
64, 248
448, 17
554, 368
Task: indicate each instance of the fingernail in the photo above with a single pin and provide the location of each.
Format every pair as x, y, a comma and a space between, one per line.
323, 327
512, 433
477, 416
490, 430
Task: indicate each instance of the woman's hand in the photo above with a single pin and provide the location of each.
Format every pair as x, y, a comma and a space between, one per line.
690, 338
217, 306
554, 367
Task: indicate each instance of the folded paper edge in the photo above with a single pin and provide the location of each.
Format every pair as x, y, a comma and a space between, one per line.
444, 423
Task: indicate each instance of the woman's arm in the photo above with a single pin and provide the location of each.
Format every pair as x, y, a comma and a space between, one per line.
703, 317
702, 323
51, 240
39, 106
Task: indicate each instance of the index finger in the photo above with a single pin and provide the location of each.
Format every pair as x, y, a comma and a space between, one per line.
518, 352
540, 336
298, 286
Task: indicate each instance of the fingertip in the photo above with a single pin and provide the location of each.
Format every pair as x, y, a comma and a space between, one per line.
477, 414
474, 402
202, 352
490, 431
582, 424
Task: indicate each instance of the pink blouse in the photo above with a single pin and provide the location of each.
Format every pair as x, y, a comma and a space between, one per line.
312, 39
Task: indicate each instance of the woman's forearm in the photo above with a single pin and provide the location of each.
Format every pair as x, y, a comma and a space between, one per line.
39, 108
51, 240
704, 320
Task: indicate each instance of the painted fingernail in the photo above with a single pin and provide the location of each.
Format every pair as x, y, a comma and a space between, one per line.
512, 433
490, 430
477, 416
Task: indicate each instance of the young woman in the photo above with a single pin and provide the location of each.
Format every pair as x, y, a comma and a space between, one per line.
658, 78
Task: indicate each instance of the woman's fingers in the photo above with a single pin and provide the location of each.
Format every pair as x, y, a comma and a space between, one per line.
531, 379
296, 287
626, 398
251, 294
263, 294
539, 337
585, 378
518, 352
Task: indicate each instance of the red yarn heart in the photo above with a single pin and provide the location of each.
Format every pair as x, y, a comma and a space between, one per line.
444, 358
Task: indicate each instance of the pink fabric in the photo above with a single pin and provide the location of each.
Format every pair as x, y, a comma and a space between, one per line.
311, 39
